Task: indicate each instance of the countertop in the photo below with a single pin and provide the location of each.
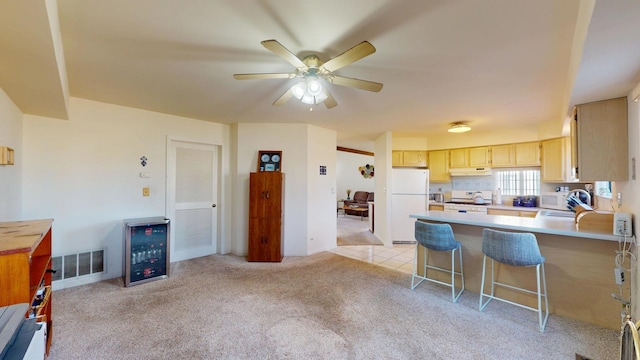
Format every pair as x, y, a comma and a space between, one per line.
539, 224
500, 207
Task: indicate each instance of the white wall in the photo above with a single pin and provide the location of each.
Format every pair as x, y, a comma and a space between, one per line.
10, 175
321, 216
299, 160
382, 218
349, 177
84, 173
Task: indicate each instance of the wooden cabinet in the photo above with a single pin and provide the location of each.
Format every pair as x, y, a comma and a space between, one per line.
266, 200
439, 166
438, 207
556, 160
514, 212
479, 156
602, 140
527, 153
459, 158
25, 267
410, 158
503, 155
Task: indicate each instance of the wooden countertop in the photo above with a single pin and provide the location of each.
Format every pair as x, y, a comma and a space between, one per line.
539, 224
22, 236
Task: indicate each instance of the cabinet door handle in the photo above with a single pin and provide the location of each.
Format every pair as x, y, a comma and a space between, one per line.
214, 205
267, 194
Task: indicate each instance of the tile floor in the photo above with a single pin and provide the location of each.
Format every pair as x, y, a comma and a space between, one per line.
398, 257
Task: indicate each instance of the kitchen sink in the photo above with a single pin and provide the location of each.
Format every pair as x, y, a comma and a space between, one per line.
557, 213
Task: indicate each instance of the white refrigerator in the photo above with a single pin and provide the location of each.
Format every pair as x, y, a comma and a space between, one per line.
409, 195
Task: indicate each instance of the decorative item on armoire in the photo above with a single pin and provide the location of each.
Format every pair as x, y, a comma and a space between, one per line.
269, 160
366, 171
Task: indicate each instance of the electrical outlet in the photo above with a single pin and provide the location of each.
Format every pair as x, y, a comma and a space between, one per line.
622, 224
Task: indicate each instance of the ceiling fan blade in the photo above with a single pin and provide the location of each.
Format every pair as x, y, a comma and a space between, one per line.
330, 102
263, 76
284, 97
355, 83
277, 48
350, 56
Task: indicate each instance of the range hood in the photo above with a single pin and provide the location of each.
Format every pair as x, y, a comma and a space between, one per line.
480, 171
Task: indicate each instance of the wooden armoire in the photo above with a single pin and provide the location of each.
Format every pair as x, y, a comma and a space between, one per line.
266, 201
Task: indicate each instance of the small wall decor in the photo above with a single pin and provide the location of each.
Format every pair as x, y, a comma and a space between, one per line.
143, 161
366, 171
6, 155
269, 160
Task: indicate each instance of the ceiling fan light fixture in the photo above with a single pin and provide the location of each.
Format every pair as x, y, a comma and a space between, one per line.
299, 90
314, 87
459, 127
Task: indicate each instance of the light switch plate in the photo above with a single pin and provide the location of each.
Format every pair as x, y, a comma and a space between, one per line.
145, 191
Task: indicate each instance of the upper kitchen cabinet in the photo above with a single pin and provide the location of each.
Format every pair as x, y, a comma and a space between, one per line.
459, 158
479, 156
527, 154
410, 158
439, 166
556, 160
503, 155
601, 140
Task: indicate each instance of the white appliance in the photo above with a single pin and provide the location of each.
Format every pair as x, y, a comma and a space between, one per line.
465, 201
553, 200
409, 195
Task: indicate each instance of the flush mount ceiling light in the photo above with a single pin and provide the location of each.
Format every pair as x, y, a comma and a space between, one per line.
459, 127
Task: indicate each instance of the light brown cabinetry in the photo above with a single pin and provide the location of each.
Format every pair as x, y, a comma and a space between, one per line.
556, 160
25, 267
527, 154
266, 200
479, 156
410, 158
438, 207
602, 140
459, 158
503, 155
439, 166
514, 212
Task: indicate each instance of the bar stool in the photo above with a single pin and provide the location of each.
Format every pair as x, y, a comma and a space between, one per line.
517, 249
437, 237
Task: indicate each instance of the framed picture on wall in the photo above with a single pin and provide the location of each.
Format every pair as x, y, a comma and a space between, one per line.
269, 160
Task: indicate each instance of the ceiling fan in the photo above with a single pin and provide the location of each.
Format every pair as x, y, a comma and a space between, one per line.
311, 70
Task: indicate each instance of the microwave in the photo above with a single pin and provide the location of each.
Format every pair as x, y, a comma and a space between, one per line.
553, 200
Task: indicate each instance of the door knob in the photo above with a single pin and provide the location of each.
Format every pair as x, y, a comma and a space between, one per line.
214, 205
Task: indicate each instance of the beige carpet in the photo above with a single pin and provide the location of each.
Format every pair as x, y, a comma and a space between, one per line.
354, 231
317, 307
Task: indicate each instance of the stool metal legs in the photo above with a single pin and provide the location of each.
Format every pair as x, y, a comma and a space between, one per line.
425, 266
540, 294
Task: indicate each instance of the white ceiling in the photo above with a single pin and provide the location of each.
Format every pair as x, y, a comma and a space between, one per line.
494, 63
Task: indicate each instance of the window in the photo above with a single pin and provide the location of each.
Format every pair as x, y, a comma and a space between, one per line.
519, 182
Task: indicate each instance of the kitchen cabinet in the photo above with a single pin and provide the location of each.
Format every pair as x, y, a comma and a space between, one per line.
411, 158
514, 212
439, 166
25, 268
555, 165
527, 154
459, 158
479, 156
266, 200
602, 140
503, 155
438, 207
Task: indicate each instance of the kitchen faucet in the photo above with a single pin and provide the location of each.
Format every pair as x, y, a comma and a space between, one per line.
580, 191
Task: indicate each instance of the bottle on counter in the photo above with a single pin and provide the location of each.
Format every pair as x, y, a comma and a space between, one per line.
498, 200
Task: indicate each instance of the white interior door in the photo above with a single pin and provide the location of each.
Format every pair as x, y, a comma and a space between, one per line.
192, 194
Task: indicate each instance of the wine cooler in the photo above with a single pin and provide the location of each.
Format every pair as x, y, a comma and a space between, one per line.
146, 250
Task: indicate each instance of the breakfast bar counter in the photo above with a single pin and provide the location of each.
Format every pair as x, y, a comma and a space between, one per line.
579, 264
